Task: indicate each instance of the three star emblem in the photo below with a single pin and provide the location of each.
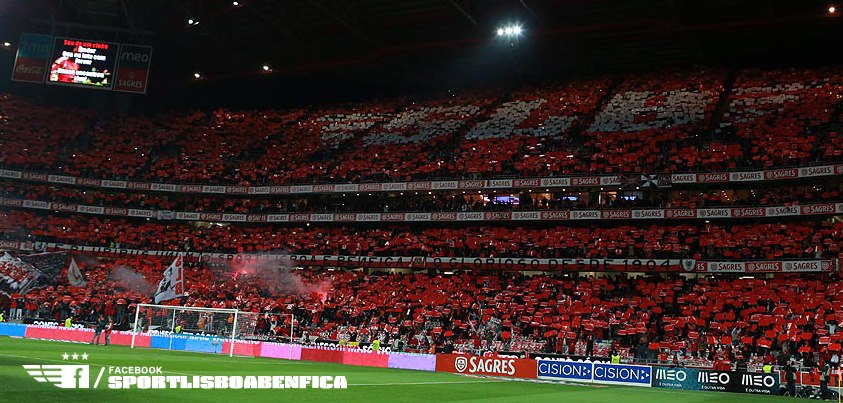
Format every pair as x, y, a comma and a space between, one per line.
75, 356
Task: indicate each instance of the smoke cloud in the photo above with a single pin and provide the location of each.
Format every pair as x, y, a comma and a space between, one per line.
128, 279
273, 273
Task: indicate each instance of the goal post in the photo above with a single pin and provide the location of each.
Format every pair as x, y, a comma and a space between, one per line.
217, 323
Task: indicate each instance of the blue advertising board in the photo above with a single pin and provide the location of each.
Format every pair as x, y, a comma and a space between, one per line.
565, 370
598, 372
620, 374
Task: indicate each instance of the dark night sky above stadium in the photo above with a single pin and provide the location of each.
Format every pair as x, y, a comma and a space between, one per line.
334, 50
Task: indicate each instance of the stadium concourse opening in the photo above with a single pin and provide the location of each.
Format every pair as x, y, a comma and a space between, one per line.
588, 197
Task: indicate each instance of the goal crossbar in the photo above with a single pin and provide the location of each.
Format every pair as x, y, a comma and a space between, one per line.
236, 314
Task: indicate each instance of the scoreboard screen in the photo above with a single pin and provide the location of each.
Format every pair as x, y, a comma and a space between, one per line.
83, 63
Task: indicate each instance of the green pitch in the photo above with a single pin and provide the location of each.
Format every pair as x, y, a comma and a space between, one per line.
364, 384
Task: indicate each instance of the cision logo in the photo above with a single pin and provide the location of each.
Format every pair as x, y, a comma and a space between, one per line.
75, 376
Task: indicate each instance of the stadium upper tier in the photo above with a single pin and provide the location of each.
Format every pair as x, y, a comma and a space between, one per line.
670, 122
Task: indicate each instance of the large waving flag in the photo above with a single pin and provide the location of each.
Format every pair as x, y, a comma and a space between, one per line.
172, 285
74, 276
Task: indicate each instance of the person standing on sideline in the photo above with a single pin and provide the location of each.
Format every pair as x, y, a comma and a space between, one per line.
825, 377
98, 328
790, 377
108, 329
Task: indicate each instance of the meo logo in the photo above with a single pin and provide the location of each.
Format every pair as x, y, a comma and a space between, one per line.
62, 376
758, 380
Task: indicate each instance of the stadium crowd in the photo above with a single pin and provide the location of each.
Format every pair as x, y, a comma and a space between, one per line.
679, 121
808, 239
645, 123
701, 321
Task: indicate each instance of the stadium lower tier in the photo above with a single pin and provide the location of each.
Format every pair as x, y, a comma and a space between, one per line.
704, 320
699, 240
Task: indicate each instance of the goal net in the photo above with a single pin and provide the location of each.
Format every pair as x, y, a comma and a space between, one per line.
216, 324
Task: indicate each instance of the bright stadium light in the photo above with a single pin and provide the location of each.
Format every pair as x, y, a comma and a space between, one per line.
235, 3
510, 31
832, 9
197, 75
266, 67
7, 44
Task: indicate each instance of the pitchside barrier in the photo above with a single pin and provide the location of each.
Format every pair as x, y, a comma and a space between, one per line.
548, 369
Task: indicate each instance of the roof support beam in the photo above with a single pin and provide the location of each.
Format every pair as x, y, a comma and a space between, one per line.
464, 13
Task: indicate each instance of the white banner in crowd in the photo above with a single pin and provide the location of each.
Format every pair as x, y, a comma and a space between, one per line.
172, 285
74, 276
475, 184
445, 216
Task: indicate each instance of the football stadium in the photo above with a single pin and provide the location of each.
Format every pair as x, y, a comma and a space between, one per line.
421, 200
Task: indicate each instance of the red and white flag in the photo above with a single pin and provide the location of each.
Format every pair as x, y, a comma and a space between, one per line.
74, 276
172, 285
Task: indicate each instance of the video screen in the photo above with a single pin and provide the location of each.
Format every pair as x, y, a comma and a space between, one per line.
83, 63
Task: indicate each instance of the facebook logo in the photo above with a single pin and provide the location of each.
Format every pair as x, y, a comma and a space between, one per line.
575, 371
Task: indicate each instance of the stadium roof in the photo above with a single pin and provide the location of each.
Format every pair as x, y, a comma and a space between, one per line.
440, 43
